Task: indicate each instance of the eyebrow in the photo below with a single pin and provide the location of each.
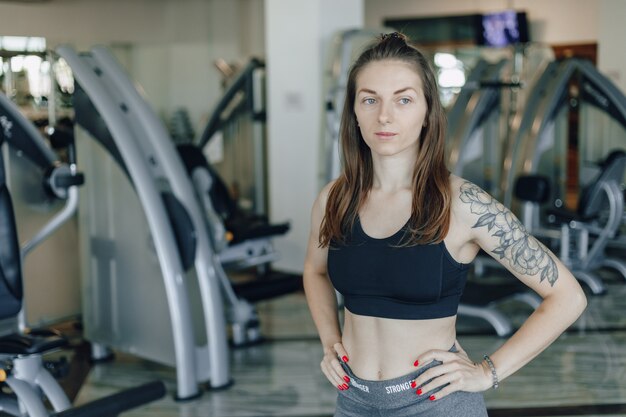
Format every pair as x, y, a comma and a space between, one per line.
402, 90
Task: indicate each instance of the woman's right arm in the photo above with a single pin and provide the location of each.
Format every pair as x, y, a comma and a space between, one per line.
321, 298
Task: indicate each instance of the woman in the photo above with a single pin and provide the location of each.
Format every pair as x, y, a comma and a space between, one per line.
395, 234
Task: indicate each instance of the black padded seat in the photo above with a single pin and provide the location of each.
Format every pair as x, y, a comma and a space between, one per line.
533, 188
35, 342
246, 229
271, 285
612, 168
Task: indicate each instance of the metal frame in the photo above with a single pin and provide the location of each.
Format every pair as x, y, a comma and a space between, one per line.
157, 143
477, 106
251, 82
86, 72
541, 110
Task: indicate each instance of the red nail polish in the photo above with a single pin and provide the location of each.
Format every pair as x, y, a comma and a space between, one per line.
347, 379
340, 387
344, 358
345, 386
432, 398
419, 392
413, 384
416, 363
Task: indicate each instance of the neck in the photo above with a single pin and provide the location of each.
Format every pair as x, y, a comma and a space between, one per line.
393, 173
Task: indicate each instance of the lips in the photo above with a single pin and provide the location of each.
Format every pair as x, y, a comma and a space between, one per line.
385, 134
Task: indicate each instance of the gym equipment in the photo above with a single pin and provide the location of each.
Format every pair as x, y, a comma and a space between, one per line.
160, 234
109, 107
243, 241
533, 146
474, 127
574, 229
239, 118
538, 144
237, 221
22, 368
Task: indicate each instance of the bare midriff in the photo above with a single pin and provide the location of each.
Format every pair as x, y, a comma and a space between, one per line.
381, 348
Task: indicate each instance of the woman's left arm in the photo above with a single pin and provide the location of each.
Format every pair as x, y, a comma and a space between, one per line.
500, 234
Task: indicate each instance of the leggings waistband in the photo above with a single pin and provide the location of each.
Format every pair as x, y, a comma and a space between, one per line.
397, 389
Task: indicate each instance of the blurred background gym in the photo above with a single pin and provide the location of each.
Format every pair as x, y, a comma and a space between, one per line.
159, 163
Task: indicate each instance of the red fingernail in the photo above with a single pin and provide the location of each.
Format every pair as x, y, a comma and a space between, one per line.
344, 358
419, 392
340, 387
413, 384
345, 386
347, 379
432, 398
416, 363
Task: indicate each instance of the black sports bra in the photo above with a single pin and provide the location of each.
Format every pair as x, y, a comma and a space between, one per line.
379, 278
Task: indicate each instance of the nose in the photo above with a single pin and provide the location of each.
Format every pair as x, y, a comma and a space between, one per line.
385, 116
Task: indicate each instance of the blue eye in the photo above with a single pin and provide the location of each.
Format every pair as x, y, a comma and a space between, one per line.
369, 101
405, 100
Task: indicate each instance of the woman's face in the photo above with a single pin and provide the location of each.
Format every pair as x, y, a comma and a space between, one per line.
390, 107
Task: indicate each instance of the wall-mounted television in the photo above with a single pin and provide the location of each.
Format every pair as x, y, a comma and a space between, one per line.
491, 29
504, 28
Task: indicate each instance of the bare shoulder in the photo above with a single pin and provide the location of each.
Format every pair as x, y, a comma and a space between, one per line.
459, 240
322, 198
326, 190
319, 206
460, 206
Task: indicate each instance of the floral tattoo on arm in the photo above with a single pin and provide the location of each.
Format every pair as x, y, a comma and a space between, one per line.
524, 253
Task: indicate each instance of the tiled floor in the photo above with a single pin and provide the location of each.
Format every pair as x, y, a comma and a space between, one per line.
586, 366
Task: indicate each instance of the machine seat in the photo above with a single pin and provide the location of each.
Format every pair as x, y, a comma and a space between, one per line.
35, 342
243, 229
271, 285
241, 225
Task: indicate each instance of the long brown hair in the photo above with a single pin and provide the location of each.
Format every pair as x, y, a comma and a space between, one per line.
430, 211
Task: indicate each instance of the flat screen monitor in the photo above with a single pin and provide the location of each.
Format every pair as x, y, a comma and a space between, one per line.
502, 29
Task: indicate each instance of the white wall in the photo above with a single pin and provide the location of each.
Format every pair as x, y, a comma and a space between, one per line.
179, 72
297, 34
252, 28
83, 23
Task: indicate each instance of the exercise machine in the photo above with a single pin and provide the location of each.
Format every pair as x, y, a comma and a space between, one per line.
22, 350
142, 238
538, 142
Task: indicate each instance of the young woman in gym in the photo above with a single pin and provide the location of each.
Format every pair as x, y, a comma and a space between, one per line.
394, 234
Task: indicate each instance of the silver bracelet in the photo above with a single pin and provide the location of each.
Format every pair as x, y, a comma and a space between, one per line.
494, 376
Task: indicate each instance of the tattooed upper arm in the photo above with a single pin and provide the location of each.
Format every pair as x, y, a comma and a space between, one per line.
500, 233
